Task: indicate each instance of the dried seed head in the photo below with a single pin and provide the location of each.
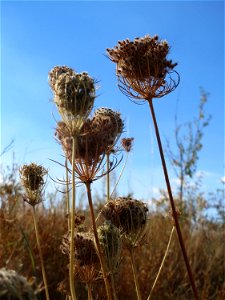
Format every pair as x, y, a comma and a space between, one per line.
111, 244
129, 215
127, 144
74, 95
14, 286
108, 125
96, 136
143, 66
56, 72
32, 178
84, 251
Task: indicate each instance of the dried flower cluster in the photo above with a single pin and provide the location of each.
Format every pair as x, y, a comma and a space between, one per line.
15, 286
85, 251
127, 144
129, 215
97, 135
74, 95
32, 177
142, 65
111, 244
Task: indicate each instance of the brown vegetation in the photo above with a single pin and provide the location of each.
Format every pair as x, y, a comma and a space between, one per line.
18, 251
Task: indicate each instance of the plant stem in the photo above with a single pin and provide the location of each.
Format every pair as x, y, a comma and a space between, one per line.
162, 263
107, 177
72, 216
101, 258
67, 195
89, 291
135, 273
113, 286
183, 249
121, 173
40, 254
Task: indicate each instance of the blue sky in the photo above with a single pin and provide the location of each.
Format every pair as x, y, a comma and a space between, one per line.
37, 35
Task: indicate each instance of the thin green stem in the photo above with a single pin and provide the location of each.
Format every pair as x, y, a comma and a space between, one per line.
72, 215
108, 177
40, 254
135, 274
101, 258
176, 221
162, 263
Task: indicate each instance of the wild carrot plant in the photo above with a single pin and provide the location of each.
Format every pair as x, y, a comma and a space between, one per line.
32, 177
74, 95
144, 73
96, 247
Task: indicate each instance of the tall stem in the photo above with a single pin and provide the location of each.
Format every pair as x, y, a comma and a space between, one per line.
72, 216
67, 195
162, 263
40, 254
135, 274
107, 177
101, 258
183, 249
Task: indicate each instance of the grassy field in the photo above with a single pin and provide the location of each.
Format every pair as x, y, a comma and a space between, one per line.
204, 242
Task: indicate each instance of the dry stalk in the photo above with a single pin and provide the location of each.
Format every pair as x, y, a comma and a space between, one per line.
134, 270
72, 213
172, 203
162, 263
40, 254
101, 258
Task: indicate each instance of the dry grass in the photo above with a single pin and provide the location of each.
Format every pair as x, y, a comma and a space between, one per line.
205, 249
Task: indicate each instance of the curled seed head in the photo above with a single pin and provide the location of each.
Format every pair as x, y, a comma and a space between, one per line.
14, 286
95, 138
109, 125
142, 65
127, 214
84, 251
127, 144
111, 243
74, 95
56, 72
32, 178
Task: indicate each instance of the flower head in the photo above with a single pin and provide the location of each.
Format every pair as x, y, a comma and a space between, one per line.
111, 244
32, 177
84, 251
74, 95
14, 286
127, 144
129, 215
87, 265
97, 136
142, 67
